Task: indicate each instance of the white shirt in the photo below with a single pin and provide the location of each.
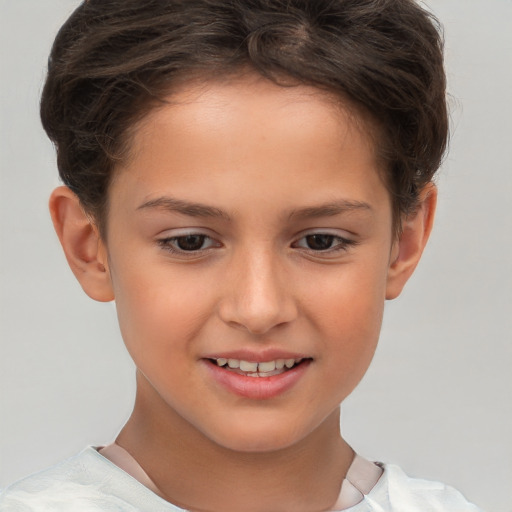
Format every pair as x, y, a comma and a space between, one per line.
89, 482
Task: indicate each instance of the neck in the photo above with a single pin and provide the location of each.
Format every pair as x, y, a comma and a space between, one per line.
195, 473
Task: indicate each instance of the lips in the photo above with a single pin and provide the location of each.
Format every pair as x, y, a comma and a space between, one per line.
274, 376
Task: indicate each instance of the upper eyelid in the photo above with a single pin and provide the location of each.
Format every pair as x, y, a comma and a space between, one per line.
167, 234
340, 233
342, 239
184, 235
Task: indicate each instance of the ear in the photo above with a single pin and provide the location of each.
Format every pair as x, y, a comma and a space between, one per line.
408, 247
82, 244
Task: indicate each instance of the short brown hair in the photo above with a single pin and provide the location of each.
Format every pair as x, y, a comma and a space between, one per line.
113, 59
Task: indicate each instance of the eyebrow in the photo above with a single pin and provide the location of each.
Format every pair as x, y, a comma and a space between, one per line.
330, 209
191, 209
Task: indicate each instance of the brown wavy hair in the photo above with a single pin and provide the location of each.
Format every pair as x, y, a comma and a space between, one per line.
114, 60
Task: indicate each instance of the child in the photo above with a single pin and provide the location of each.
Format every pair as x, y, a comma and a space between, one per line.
249, 180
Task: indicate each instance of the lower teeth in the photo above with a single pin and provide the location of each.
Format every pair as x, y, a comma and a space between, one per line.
257, 374
264, 374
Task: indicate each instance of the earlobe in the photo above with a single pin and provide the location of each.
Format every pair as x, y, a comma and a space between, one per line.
408, 249
82, 244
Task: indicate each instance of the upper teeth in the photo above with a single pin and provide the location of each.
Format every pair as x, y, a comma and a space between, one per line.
248, 366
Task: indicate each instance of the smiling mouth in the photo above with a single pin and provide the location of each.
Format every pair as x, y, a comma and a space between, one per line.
263, 369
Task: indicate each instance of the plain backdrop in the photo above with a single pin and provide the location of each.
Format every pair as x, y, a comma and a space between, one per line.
438, 397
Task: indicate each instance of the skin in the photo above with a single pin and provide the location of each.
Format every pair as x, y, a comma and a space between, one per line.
273, 165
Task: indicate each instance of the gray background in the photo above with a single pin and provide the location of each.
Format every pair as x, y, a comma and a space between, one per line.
437, 399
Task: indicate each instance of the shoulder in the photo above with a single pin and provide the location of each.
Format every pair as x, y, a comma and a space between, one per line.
86, 482
75, 480
397, 492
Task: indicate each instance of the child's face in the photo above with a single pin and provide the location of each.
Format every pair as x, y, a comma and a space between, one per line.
251, 224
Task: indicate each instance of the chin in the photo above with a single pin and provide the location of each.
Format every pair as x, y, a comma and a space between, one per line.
259, 436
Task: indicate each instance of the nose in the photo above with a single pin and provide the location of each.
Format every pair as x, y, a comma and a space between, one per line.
258, 294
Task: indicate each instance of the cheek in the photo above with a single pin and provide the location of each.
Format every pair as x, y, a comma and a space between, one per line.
350, 299
349, 312
159, 312
352, 331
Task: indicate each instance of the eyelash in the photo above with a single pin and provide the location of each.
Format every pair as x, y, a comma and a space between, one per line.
341, 243
169, 244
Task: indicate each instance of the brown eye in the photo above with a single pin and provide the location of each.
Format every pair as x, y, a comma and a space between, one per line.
320, 242
325, 244
190, 242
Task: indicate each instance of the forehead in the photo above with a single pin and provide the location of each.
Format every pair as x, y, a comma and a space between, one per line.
244, 101
212, 140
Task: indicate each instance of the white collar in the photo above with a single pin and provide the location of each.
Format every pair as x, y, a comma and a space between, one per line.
362, 475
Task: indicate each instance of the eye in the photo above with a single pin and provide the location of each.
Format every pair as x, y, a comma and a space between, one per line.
189, 243
319, 242
324, 242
